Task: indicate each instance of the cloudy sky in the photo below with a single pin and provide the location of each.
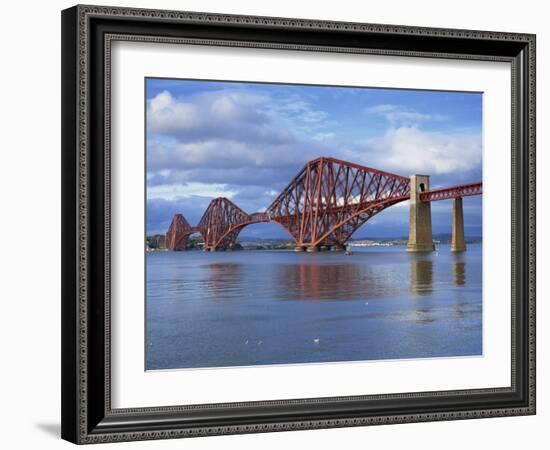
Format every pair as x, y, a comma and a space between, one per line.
246, 141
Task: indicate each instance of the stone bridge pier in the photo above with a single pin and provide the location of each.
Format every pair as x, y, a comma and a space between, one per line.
458, 244
420, 218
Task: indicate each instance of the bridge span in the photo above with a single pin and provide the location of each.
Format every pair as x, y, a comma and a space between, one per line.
325, 203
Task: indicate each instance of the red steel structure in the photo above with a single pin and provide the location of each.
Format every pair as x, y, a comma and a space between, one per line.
222, 222
446, 193
329, 199
325, 203
178, 233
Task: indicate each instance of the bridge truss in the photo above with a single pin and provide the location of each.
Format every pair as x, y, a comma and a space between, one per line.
324, 204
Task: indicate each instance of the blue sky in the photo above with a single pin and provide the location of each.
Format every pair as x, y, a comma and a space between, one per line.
246, 141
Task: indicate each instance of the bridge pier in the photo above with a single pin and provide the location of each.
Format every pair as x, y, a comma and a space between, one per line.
458, 243
299, 248
338, 248
313, 248
420, 218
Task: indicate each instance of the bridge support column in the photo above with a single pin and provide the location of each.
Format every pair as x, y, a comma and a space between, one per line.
457, 240
420, 218
313, 248
299, 248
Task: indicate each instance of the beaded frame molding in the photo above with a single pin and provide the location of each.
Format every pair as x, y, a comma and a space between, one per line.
87, 35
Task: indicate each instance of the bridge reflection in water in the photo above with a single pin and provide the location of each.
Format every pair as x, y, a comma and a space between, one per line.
310, 281
459, 273
316, 281
422, 273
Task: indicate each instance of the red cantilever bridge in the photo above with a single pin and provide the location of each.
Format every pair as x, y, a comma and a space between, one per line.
325, 203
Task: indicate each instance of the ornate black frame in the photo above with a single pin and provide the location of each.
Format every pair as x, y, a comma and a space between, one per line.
87, 31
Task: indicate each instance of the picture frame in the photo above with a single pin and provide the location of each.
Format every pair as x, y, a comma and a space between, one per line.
87, 412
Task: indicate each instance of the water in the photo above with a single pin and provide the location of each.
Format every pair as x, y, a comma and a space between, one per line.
277, 307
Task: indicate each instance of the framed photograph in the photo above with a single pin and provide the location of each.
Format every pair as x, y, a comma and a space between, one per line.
277, 224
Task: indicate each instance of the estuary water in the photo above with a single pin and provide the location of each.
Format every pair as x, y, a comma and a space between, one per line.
241, 308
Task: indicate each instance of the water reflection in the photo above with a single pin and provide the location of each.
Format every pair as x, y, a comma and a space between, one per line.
421, 275
224, 309
332, 282
459, 273
459, 310
225, 280
312, 281
423, 315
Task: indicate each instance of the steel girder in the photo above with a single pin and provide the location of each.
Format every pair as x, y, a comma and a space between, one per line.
324, 204
329, 199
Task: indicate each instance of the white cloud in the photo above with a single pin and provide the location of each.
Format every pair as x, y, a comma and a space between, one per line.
229, 154
295, 113
208, 112
409, 150
232, 128
323, 136
175, 191
164, 114
382, 108
398, 115
236, 114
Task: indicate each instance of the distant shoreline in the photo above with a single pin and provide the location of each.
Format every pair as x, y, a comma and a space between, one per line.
265, 244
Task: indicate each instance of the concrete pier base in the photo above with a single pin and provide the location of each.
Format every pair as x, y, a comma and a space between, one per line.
299, 248
324, 248
420, 219
313, 249
458, 243
427, 247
